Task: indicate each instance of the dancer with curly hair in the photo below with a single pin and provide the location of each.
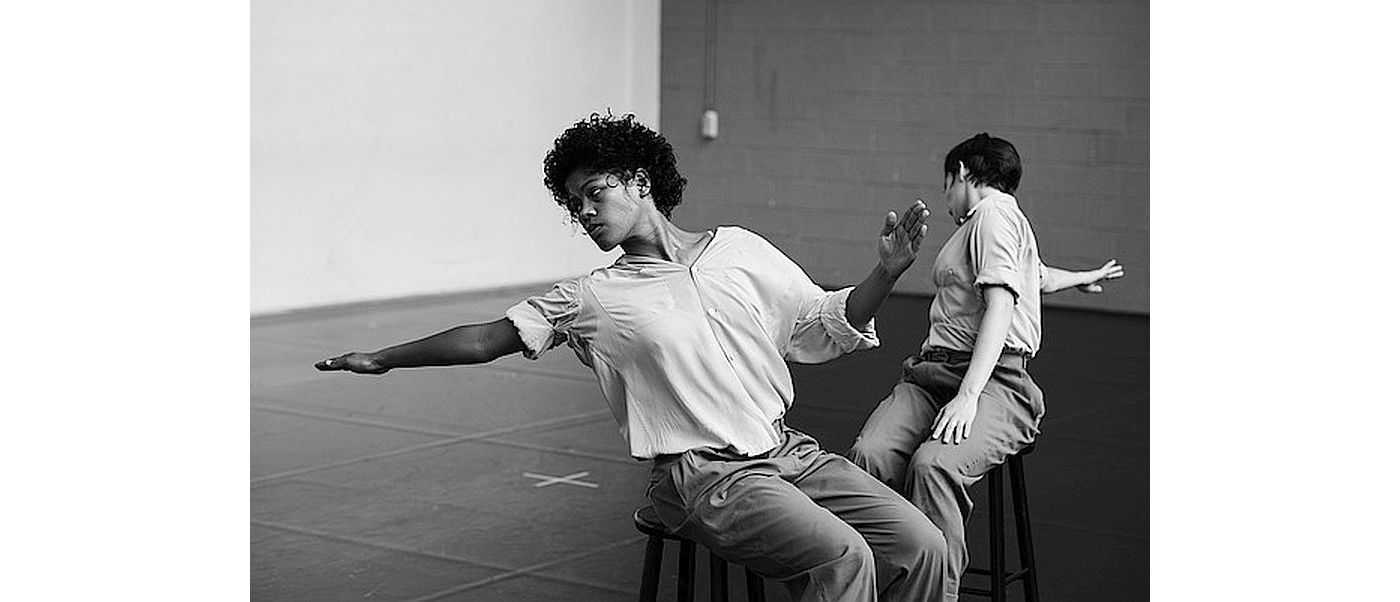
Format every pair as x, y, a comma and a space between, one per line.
688, 334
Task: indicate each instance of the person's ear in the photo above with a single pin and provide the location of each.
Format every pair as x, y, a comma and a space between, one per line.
642, 182
962, 172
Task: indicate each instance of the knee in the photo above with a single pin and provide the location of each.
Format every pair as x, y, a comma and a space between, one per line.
849, 548
865, 452
874, 456
931, 464
920, 543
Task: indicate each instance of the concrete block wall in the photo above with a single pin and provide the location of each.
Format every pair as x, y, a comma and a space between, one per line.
832, 112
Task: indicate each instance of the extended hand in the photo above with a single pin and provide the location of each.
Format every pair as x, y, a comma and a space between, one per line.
901, 237
1109, 271
955, 419
359, 363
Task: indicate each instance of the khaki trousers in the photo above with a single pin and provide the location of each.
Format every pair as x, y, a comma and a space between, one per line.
895, 447
808, 518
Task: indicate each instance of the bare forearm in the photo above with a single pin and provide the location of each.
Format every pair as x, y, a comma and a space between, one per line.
868, 296
991, 339
1055, 280
470, 344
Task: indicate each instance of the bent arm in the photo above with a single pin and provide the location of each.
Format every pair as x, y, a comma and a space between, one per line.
469, 344
867, 297
899, 244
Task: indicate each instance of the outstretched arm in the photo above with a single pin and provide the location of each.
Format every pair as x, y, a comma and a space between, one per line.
899, 245
1054, 280
470, 344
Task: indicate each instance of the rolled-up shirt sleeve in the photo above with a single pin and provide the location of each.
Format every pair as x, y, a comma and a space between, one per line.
814, 318
543, 320
822, 333
994, 245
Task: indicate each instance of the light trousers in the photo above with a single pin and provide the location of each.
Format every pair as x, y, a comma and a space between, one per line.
806, 517
895, 447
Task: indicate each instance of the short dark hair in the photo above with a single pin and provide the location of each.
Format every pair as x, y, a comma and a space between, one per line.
990, 161
618, 146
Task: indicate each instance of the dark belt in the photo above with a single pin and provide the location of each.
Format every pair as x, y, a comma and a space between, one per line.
944, 354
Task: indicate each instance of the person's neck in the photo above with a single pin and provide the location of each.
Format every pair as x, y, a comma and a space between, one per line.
981, 194
661, 239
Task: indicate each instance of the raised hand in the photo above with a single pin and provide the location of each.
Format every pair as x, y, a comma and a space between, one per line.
359, 363
901, 237
1109, 271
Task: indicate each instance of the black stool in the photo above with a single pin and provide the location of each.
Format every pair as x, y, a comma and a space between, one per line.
657, 534
998, 531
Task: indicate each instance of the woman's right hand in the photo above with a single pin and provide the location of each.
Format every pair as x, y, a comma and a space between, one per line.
359, 363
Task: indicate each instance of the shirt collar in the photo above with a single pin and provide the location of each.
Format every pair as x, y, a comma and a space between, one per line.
992, 196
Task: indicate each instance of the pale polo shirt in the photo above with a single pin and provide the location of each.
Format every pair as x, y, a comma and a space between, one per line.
994, 246
695, 356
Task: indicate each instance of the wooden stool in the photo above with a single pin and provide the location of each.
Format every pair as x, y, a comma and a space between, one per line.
997, 534
657, 534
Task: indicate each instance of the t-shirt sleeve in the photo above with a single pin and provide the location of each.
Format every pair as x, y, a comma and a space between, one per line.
995, 246
543, 320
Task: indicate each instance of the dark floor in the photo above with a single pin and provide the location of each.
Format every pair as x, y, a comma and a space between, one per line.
413, 485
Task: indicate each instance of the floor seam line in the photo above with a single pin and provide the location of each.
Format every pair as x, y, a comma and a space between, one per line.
531, 571
564, 452
274, 404
370, 543
352, 420
415, 448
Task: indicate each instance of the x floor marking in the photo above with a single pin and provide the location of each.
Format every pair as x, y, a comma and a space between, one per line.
569, 479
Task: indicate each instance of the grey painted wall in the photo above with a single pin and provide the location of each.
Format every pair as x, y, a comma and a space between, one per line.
832, 112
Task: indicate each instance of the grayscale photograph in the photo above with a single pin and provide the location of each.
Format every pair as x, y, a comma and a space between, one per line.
699, 300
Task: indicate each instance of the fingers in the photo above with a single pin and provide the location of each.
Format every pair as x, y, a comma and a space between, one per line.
335, 363
918, 238
951, 428
910, 215
1093, 288
915, 216
890, 220
1112, 270
946, 429
939, 425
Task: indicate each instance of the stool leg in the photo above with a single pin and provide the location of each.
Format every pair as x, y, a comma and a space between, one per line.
998, 570
651, 568
753, 585
1020, 508
719, 579
685, 585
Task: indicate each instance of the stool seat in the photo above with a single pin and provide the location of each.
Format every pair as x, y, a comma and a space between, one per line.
650, 524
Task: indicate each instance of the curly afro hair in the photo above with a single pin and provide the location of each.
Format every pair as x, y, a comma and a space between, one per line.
617, 146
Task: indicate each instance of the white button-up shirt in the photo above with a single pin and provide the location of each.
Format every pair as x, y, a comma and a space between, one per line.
695, 356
